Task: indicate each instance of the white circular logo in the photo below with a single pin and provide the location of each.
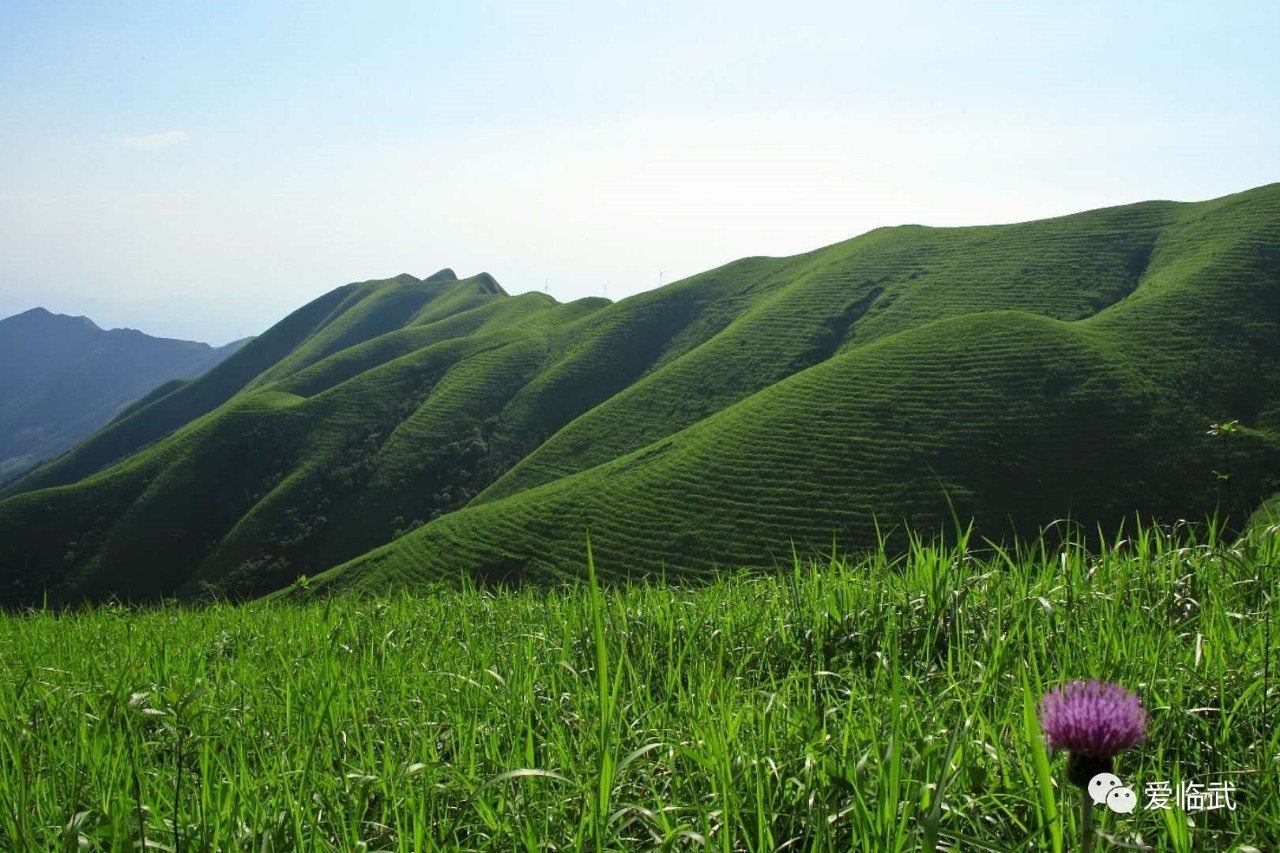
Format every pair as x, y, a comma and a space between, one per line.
1122, 800
1101, 785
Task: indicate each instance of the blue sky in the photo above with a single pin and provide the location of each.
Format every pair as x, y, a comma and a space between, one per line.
200, 169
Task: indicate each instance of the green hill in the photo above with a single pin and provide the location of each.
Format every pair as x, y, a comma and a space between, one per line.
420, 429
64, 378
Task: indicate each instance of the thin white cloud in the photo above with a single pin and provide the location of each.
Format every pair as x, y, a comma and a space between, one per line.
156, 141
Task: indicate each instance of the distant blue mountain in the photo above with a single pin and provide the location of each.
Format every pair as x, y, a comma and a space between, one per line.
62, 378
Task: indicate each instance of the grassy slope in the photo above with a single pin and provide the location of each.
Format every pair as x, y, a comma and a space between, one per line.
1017, 418
839, 298
1027, 369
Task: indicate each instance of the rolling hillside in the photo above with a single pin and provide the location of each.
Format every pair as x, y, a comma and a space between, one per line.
64, 378
396, 431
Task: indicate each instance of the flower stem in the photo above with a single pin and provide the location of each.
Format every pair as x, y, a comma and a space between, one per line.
1086, 822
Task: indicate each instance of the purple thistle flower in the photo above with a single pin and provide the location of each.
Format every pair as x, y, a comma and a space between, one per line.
1093, 718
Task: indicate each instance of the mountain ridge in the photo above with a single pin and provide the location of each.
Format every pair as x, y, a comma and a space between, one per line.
408, 430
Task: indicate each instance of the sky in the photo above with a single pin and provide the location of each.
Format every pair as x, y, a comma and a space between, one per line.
199, 170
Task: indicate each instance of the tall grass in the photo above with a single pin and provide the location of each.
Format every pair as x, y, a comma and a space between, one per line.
874, 704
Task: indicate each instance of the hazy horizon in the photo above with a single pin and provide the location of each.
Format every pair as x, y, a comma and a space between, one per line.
199, 172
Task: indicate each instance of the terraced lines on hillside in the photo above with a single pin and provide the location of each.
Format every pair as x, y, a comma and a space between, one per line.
790, 448
371, 310
854, 293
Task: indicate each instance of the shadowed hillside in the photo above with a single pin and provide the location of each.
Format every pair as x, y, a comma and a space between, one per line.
63, 378
421, 429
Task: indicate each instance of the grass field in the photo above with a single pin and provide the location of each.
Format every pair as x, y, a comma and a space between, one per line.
874, 704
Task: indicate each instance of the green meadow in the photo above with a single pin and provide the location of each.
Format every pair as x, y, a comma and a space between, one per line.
878, 703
